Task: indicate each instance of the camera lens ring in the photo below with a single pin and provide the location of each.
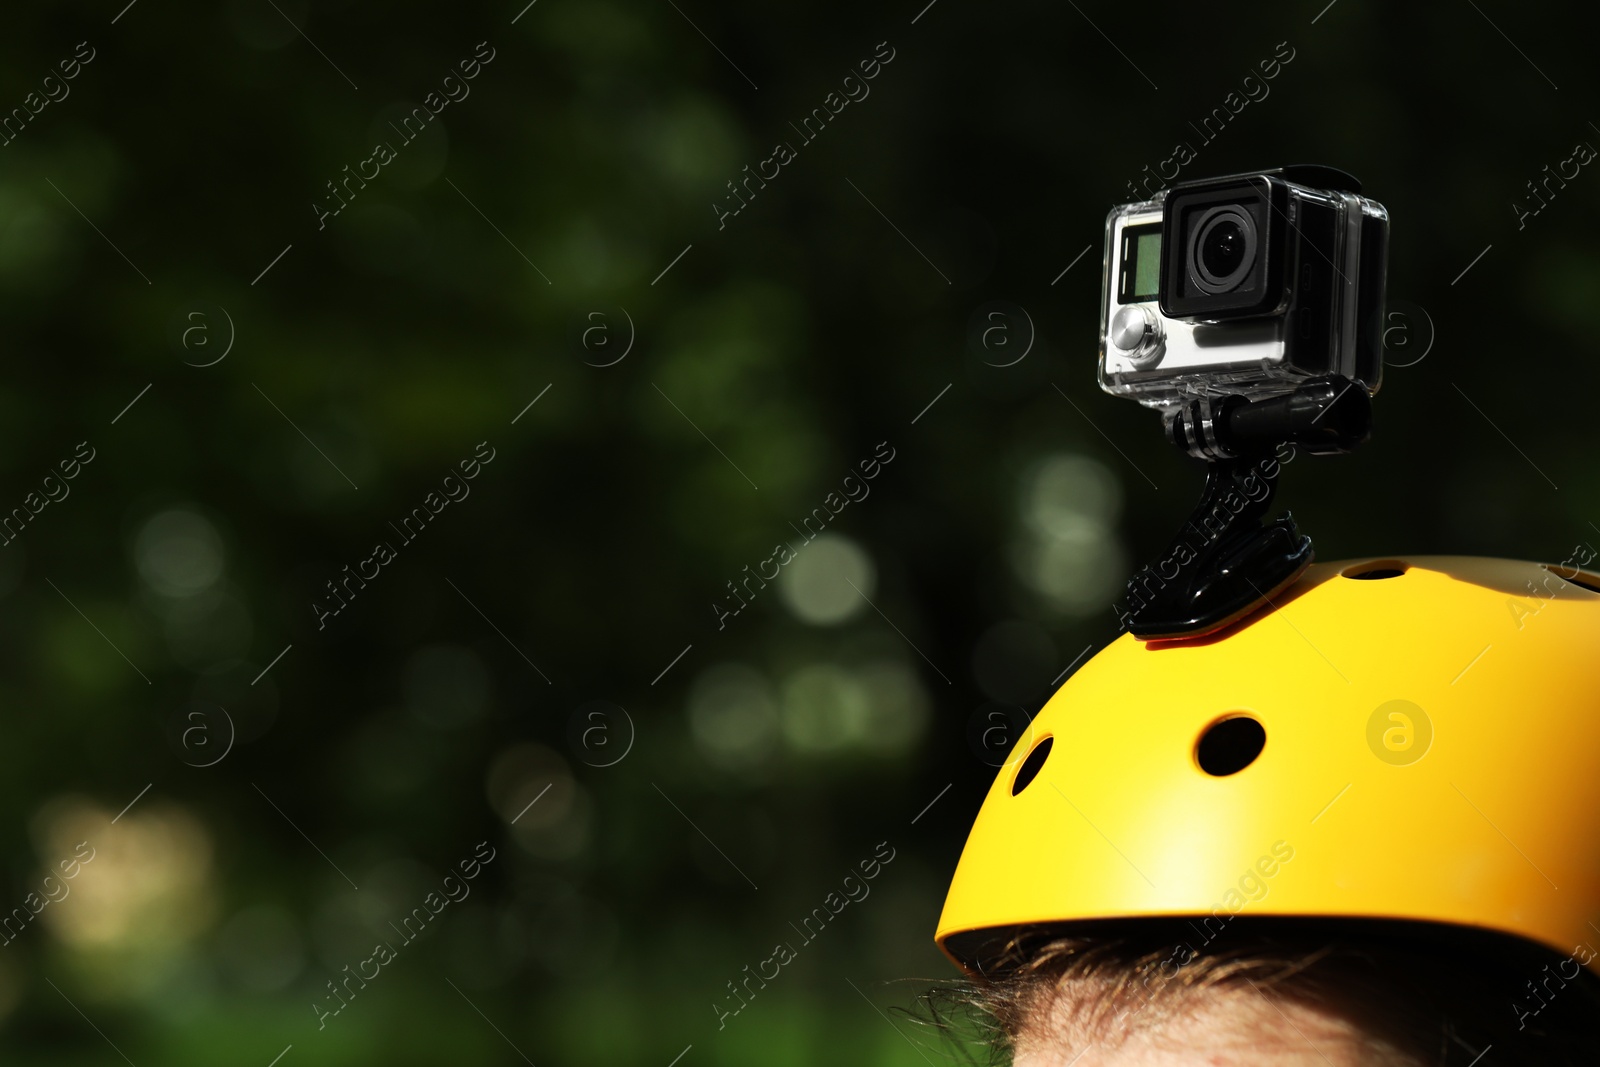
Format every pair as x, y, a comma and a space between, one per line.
1223, 233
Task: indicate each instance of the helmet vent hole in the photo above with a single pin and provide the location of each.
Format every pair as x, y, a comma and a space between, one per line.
1031, 766
1573, 576
1376, 570
1230, 745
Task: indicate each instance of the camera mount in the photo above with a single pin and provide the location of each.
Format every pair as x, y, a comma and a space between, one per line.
1226, 561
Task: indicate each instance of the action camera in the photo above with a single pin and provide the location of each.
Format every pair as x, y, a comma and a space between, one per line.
1248, 311
1249, 285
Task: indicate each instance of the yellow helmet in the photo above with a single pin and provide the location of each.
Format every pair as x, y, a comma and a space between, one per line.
1393, 739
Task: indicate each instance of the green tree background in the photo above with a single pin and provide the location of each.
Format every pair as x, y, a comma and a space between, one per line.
529, 634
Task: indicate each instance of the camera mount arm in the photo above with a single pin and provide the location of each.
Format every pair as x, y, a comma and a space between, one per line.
1227, 561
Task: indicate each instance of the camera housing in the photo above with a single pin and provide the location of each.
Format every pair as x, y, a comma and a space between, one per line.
1247, 285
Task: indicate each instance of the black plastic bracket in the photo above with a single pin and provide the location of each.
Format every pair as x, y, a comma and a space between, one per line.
1227, 560
1224, 562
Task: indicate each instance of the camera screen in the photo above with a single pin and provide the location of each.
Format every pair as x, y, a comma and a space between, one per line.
1141, 264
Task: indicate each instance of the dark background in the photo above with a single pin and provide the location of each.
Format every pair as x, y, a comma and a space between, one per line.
749, 776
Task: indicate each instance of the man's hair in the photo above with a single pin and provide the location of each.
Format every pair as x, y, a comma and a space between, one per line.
1418, 993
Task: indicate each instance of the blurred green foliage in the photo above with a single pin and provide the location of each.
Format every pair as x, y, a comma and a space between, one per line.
777, 351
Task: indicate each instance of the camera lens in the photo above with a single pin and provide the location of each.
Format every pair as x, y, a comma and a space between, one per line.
1222, 248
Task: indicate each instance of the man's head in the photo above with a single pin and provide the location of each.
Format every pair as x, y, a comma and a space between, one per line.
1286, 994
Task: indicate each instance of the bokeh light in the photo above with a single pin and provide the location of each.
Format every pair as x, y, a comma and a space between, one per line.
733, 716
1067, 550
178, 552
828, 581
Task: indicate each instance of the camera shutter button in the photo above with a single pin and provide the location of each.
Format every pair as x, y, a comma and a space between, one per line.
1134, 330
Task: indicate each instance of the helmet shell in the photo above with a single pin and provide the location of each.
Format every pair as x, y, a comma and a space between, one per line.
1432, 753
